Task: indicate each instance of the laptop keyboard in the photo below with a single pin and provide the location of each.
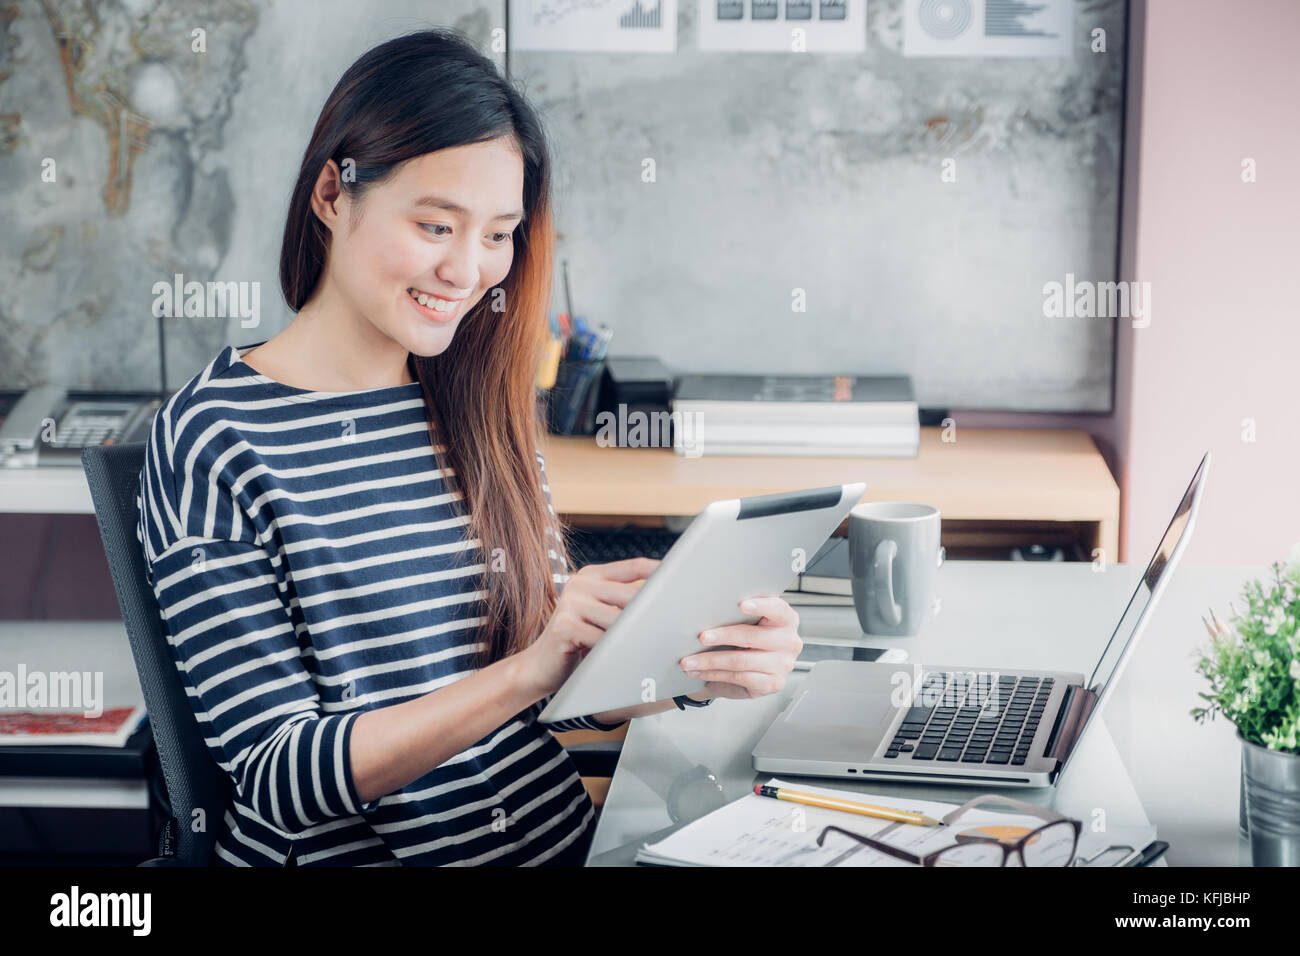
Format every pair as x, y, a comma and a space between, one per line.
959, 720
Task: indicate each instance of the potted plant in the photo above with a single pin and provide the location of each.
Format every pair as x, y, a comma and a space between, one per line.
1253, 667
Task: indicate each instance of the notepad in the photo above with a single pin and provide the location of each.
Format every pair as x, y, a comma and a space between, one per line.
762, 831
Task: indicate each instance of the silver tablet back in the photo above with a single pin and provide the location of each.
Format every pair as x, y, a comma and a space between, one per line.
733, 549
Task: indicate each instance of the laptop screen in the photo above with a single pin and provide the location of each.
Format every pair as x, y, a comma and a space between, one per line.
1160, 567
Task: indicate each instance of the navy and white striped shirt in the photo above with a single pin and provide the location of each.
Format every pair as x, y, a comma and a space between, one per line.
311, 564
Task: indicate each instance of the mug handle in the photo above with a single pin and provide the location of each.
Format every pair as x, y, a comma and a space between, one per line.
883, 570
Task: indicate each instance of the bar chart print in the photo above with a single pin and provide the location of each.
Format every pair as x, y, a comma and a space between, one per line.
634, 26
641, 16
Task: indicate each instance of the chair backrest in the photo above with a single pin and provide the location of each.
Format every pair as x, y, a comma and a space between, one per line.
194, 781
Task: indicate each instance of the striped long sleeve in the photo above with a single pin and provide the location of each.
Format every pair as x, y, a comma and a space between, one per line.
312, 561
234, 643
242, 665
560, 574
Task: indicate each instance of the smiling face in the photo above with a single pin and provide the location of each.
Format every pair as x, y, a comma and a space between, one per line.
430, 241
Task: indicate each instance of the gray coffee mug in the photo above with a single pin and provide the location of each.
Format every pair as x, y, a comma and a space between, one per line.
894, 555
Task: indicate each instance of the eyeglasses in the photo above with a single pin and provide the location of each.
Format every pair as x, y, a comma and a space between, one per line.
1052, 844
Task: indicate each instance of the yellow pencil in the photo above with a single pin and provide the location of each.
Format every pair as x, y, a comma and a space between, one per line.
550, 365
848, 806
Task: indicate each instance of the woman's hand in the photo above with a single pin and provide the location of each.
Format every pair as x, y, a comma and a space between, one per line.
589, 601
769, 651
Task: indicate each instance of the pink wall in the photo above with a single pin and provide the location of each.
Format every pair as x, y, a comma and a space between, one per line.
1211, 84
1220, 83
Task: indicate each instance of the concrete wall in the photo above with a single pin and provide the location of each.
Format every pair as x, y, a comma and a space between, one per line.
1211, 84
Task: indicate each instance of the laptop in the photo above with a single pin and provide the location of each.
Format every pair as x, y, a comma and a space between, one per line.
962, 725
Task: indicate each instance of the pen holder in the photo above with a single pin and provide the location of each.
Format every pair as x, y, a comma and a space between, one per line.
571, 405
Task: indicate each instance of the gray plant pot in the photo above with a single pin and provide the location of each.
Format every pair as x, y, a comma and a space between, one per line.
1271, 780
1243, 821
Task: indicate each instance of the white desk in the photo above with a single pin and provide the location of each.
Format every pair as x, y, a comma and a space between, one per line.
49, 490
1155, 761
1147, 759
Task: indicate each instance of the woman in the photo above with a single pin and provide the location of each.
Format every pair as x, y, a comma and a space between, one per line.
348, 526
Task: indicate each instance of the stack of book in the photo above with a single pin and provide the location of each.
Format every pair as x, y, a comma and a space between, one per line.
44, 728
839, 416
826, 581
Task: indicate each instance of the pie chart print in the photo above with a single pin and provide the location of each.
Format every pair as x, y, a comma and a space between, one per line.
944, 19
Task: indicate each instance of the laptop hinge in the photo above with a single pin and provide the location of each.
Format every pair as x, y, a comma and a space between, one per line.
1070, 719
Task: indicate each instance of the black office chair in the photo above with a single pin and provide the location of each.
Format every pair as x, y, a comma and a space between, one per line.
193, 778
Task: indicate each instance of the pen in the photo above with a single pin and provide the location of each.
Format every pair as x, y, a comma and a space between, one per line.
568, 296
848, 806
1149, 855
546, 373
573, 348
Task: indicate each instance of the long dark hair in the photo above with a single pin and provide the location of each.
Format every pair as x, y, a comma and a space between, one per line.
405, 98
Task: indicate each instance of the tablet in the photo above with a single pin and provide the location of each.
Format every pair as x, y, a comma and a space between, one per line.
733, 549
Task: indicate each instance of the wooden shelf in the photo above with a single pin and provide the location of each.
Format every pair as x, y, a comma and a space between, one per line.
1002, 476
